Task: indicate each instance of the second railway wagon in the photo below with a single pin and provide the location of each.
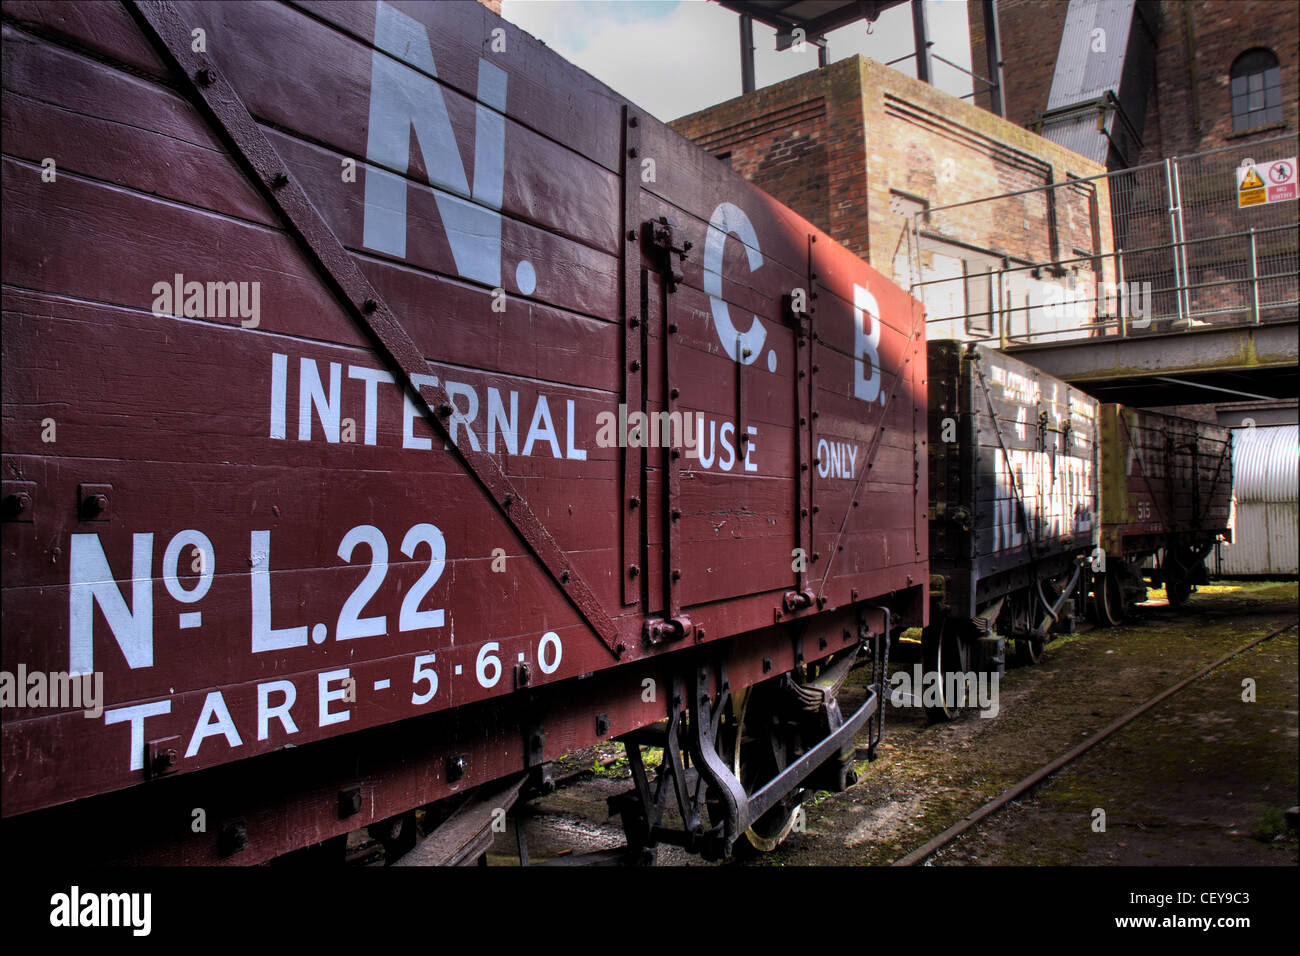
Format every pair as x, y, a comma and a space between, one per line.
390, 408
1013, 484
1166, 500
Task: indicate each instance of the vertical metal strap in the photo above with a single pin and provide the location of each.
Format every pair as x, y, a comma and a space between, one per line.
163, 25
803, 409
634, 319
672, 462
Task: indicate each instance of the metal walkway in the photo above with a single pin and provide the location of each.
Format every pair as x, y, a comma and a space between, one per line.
1154, 285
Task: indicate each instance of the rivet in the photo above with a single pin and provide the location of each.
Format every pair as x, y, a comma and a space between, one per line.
204, 76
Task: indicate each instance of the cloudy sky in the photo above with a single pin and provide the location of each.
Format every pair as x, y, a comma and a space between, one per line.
674, 57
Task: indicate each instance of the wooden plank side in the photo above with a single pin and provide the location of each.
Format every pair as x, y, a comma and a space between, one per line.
320, 88
84, 114
549, 94
218, 436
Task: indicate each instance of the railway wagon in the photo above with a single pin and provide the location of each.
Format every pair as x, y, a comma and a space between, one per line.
1013, 503
390, 408
1166, 499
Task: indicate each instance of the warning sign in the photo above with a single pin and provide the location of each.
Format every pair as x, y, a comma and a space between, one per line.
1261, 183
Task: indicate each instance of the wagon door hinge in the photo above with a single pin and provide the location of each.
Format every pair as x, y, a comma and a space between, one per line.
664, 239
661, 631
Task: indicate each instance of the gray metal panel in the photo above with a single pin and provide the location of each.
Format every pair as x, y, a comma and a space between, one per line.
1078, 132
1266, 463
1084, 73
1104, 64
1265, 502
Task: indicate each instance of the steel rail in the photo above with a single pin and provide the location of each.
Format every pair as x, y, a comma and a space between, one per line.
947, 836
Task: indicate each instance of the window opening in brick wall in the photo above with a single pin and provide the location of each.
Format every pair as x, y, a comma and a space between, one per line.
1256, 90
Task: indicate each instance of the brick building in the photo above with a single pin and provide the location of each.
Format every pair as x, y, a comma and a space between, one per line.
1200, 46
857, 147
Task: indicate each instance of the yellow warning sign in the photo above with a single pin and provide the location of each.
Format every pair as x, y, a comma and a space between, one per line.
1250, 189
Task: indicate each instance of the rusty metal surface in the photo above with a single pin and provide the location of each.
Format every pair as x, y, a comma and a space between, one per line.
1165, 480
1014, 470
246, 524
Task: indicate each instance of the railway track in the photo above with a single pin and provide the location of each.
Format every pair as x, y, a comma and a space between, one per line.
1027, 783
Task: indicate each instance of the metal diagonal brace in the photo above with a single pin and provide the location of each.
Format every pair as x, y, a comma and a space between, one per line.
161, 23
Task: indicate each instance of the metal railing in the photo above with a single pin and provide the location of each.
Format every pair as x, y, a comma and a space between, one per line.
1152, 248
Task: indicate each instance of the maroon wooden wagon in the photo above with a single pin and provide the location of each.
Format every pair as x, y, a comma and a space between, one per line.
391, 408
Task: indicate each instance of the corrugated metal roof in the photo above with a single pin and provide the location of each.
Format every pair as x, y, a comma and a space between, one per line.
1266, 463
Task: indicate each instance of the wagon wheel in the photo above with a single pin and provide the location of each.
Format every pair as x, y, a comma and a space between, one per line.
944, 652
1178, 586
756, 743
1029, 650
1108, 594
1178, 590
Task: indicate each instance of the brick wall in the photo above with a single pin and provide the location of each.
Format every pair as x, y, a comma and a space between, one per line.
1030, 33
836, 144
1189, 107
1190, 104
801, 141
